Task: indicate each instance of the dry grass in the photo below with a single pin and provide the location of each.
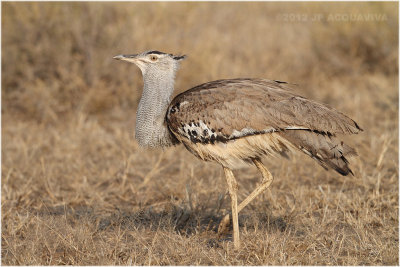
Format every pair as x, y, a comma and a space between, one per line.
77, 189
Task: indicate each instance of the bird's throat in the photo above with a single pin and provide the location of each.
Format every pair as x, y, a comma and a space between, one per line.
151, 129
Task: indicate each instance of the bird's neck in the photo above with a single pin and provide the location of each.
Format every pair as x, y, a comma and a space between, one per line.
151, 128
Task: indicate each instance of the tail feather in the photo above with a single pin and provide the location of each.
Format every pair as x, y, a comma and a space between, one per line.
327, 150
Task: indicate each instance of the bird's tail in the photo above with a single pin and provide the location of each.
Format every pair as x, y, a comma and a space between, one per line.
327, 150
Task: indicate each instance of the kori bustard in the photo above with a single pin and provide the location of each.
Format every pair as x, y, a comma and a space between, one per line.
236, 120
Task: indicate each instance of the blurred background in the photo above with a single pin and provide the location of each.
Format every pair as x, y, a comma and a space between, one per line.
57, 57
68, 110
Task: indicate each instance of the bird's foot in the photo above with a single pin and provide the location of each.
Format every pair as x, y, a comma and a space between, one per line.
223, 226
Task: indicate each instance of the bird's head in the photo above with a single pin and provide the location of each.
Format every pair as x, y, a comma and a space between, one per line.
153, 61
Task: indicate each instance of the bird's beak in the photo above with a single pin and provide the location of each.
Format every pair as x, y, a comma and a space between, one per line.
129, 58
135, 59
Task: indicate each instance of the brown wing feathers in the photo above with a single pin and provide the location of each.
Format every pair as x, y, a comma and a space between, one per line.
224, 110
327, 150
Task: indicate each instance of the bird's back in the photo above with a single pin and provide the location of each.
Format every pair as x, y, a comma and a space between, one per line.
233, 119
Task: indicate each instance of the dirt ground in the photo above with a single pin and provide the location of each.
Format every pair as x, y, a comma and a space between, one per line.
77, 189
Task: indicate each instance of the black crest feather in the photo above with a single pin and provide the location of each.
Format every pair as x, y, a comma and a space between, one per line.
162, 53
179, 57
155, 52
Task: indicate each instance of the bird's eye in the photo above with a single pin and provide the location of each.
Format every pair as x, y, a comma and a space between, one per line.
153, 58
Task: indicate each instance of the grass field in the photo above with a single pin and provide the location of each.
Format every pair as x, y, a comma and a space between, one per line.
77, 188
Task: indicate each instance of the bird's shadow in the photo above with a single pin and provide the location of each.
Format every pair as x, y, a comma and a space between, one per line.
188, 222
181, 219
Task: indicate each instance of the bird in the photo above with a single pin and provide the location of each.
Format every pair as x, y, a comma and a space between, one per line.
236, 121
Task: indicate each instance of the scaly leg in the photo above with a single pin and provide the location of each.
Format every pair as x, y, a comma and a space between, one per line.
265, 183
233, 187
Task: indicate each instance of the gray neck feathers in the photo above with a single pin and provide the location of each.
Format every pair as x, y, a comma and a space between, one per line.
151, 128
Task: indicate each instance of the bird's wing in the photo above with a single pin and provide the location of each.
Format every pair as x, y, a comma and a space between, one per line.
229, 109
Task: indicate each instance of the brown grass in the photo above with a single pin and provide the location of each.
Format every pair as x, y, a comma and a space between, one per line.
77, 189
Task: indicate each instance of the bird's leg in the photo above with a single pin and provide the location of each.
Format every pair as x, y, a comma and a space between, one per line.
233, 187
265, 183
